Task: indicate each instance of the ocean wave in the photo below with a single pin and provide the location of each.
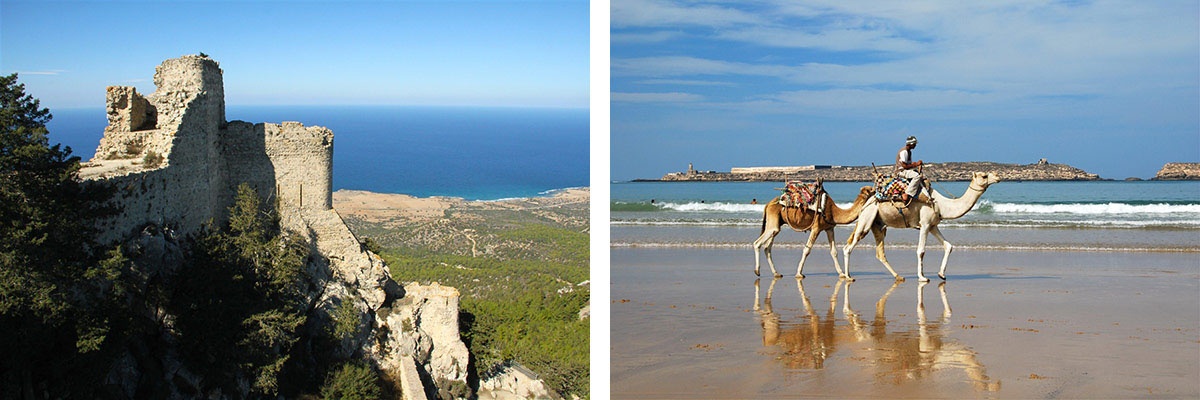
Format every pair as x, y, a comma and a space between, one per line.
667, 222
716, 207
1013, 247
987, 206
1187, 224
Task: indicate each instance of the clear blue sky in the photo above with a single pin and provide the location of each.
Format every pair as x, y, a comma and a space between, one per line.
487, 53
1112, 87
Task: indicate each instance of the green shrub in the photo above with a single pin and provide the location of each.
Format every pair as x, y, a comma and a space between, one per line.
134, 147
152, 159
370, 245
353, 381
345, 319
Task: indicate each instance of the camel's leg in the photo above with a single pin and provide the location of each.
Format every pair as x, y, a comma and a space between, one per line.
879, 305
846, 302
837, 287
804, 297
764, 240
771, 261
756, 308
865, 221
937, 233
945, 302
833, 250
812, 238
758, 244
921, 302
880, 234
921, 253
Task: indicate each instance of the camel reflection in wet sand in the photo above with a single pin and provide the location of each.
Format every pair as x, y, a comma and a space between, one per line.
904, 353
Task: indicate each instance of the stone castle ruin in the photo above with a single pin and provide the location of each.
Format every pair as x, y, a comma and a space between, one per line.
183, 162
177, 163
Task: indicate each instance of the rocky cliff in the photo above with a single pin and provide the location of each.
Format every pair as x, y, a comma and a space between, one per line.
951, 171
1179, 172
177, 163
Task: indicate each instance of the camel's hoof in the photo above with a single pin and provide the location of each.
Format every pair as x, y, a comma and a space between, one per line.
799, 276
778, 275
942, 276
756, 273
923, 279
899, 278
849, 278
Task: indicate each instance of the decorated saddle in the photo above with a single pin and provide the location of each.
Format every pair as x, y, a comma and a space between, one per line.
888, 187
800, 194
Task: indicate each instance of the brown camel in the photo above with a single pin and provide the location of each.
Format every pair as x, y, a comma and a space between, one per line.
803, 219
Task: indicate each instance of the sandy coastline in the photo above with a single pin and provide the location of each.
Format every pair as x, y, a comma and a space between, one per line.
382, 207
1007, 324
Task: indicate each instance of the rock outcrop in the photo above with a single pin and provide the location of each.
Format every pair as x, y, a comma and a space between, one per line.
951, 171
177, 164
1179, 172
512, 382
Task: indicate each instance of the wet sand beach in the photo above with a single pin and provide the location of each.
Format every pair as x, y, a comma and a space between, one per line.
697, 322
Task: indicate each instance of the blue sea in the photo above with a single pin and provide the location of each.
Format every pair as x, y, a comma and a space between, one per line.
1105, 215
473, 153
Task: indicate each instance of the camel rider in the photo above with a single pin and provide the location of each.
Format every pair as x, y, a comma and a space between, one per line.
907, 169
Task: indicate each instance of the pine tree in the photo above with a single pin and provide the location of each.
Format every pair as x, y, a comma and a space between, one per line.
58, 302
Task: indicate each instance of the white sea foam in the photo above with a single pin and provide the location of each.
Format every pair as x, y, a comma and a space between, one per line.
1067, 247
1022, 224
1081, 208
715, 206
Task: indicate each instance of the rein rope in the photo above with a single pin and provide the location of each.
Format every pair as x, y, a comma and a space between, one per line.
939, 185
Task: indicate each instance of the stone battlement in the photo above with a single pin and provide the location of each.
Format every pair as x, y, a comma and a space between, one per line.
177, 162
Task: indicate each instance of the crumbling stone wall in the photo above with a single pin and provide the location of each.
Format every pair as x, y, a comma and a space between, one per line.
303, 163
169, 175
128, 110
204, 158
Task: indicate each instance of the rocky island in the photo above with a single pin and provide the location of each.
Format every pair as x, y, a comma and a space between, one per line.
1179, 172
950, 171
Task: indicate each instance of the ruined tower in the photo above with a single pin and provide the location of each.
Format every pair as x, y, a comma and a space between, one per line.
179, 163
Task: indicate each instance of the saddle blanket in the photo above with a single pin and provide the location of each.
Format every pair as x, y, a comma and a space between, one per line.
798, 194
889, 187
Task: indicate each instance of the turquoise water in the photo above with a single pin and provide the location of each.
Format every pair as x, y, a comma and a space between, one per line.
1087, 216
474, 153
1143, 205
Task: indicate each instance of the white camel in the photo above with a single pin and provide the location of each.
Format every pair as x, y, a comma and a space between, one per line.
921, 214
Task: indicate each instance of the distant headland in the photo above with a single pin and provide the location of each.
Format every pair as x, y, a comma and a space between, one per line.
950, 171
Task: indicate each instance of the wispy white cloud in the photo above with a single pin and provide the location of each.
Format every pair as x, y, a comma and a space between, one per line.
867, 100
649, 37
683, 82
651, 13
1019, 47
672, 97
41, 72
834, 39
691, 66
